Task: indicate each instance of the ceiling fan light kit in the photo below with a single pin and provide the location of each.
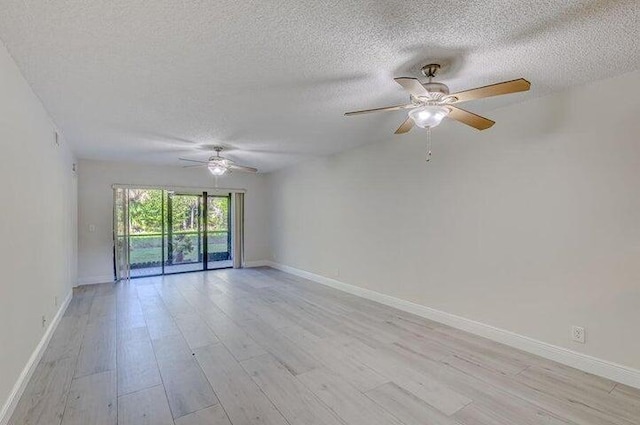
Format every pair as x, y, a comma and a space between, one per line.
218, 165
428, 116
217, 169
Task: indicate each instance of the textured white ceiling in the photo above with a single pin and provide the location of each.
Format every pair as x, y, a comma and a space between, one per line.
154, 80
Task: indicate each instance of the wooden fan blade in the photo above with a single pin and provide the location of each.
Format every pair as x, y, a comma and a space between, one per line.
469, 118
194, 166
412, 85
406, 126
193, 160
387, 108
507, 87
243, 168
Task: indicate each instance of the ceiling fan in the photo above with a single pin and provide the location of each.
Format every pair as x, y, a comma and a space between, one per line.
431, 102
219, 165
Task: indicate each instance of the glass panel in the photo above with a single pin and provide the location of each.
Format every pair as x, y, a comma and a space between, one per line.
184, 233
145, 231
218, 232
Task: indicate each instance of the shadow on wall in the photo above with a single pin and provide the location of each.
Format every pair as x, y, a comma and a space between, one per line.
537, 122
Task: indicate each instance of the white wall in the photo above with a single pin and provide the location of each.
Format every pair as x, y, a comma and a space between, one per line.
532, 226
37, 223
95, 198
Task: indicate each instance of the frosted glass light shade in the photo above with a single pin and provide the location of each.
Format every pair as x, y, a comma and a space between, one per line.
217, 169
428, 116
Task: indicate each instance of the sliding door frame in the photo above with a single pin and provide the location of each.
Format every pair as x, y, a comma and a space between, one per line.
206, 198
162, 239
203, 193
205, 231
121, 256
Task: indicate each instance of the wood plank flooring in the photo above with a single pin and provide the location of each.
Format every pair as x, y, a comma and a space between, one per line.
259, 346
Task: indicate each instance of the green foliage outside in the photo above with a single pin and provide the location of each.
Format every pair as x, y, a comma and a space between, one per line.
145, 212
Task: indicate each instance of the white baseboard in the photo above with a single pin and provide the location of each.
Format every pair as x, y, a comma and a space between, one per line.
94, 280
30, 367
257, 263
593, 365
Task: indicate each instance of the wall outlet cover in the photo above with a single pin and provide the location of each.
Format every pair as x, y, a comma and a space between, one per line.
578, 334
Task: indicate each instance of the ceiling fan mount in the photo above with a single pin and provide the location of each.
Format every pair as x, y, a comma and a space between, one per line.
432, 101
430, 70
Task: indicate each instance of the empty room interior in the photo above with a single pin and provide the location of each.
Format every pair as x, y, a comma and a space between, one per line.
292, 212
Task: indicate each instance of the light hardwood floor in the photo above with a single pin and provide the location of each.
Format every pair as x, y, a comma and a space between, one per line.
259, 346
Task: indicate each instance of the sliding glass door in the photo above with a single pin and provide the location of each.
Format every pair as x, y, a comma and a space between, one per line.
218, 231
146, 222
162, 232
184, 233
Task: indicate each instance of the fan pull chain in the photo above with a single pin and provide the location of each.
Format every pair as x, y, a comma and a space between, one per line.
428, 144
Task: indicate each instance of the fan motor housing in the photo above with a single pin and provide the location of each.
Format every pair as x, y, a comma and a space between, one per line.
433, 87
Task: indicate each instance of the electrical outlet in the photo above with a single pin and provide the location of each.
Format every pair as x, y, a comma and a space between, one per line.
578, 334
44, 321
